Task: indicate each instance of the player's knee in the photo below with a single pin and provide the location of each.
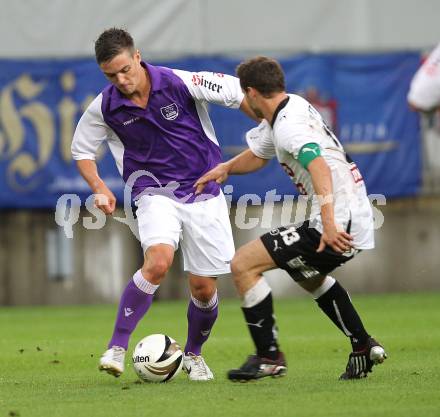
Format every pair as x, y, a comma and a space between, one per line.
203, 294
203, 290
156, 271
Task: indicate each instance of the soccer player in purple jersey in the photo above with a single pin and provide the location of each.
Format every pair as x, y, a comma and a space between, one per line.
156, 123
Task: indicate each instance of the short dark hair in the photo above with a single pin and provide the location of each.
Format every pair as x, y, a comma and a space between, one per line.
262, 73
112, 42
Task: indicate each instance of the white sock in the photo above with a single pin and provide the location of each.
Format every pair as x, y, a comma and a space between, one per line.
325, 286
144, 285
208, 305
256, 294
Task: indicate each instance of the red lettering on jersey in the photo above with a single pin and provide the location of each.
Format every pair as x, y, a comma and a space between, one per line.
219, 74
196, 79
357, 176
301, 188
291, 174
288, 170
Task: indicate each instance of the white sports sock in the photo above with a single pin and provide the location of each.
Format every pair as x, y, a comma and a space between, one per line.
144, 285
325, 286
256, 294
206, 305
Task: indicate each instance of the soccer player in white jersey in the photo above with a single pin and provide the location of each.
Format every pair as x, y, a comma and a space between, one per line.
340, 225
424, 93
156, 123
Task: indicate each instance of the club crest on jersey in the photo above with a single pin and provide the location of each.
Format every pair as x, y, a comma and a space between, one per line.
170, 112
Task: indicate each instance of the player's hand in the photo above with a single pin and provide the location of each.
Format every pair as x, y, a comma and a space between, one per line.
105, 201
219, 174
337, 238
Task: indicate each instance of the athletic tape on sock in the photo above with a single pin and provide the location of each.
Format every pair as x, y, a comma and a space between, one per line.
144, 285
208, 305
325, 286
256, 294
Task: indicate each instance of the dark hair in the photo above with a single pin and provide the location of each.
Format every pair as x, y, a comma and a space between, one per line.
262, 73
112, 42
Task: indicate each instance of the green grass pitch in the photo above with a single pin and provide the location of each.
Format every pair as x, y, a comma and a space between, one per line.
49, 358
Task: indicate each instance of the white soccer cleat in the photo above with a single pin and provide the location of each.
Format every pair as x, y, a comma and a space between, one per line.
112, 361
196, 368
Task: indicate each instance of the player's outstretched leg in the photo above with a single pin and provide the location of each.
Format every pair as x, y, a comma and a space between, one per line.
201, 318
135, 302
269, 360
335, 302
249, 262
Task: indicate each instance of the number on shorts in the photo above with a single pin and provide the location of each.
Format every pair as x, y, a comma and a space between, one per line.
290, 236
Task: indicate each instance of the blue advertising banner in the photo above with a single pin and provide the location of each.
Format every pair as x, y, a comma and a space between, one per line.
362, 97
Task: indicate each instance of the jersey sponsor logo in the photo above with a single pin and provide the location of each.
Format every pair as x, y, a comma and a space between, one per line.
300, 186
170, 112
198, 79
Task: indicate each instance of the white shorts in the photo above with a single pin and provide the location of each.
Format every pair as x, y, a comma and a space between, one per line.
203, 228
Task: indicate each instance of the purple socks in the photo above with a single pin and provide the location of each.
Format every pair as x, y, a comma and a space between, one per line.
201, 318
135, 302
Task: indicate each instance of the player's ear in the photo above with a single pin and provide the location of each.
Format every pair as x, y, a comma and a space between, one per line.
251, 91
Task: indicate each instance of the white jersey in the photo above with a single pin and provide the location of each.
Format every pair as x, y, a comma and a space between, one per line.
295, 125
424, 92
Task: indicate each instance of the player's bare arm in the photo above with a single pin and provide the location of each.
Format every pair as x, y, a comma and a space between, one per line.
332, 235
104, 198
243, 163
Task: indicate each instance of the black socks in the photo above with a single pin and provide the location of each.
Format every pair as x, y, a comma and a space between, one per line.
261, 324
337, 305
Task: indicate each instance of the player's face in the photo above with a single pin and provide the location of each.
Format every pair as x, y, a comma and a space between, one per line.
124, 72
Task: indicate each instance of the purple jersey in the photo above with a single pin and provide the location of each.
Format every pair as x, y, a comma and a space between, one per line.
168, 145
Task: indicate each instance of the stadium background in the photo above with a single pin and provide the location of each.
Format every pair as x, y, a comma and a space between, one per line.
353, 59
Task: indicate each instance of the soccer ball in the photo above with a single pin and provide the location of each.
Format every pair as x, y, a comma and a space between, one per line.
157, 358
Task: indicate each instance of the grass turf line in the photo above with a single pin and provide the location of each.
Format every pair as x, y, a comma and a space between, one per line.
49, 361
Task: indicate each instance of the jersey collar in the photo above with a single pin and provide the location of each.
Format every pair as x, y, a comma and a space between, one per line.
117, 99
278, 109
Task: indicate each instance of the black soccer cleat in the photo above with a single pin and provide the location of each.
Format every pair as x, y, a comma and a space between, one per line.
257, 367
361, 363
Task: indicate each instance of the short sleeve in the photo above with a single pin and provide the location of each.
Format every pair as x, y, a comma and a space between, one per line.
292, 135
90, 132
260, 141
424, 92
213, 87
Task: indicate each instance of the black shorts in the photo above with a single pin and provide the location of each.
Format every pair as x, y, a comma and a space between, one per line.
294, 250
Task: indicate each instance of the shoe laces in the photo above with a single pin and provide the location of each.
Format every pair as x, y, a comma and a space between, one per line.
118, 353
198, 364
